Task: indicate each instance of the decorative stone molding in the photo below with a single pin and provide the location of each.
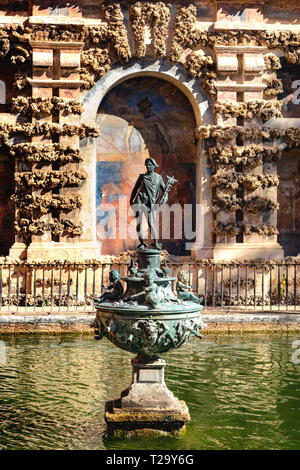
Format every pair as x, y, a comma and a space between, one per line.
293, 56
183, 34
264, 110
33, 106
116, 31
203, 67
21, 81
260, 204
290, 136
40, 152
49, 179
260, 229
274, 87
232, 229
250, 156
28, 203
157, 14
57, 227
96, 60
232, 203
48, 129
225, 202
272, 62
198, 64
60, 33
227, 229
226, 180
14, 43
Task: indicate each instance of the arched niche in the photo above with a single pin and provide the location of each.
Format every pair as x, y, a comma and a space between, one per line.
119, 77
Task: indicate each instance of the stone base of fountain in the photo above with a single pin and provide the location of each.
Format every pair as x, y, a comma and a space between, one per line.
152, 423
147, 406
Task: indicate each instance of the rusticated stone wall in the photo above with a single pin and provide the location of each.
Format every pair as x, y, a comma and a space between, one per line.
55, 57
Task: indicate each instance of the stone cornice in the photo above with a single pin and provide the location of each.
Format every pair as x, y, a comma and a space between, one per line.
56, 44
239, 26
55, 20
241, 49
237, 87
56, 83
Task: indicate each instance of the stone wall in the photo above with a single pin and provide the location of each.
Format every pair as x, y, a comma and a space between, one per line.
235, 63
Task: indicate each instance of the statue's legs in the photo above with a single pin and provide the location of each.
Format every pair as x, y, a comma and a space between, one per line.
139, 215
153, 229
150, 216
191, 297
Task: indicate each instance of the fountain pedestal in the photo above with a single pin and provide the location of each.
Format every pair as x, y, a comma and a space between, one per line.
147, 406
148, 389
148, 320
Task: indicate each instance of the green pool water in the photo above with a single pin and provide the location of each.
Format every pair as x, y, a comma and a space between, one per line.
242, 393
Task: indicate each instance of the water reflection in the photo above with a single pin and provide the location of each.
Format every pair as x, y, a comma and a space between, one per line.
242, 392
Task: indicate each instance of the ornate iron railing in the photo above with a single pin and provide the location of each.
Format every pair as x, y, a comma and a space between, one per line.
267, 286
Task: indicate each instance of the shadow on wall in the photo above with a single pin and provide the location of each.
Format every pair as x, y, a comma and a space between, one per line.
289, 200
6, 166
15, 7
6, 206
142, 117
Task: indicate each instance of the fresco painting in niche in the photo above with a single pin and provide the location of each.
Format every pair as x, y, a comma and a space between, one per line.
142, 117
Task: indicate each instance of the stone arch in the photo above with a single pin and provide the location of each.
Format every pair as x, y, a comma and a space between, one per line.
163, 69
190, 87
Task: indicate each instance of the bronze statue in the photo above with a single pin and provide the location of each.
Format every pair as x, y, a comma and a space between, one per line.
145, 196
183, 289
132, 270
115, 288
165, 269
150, 291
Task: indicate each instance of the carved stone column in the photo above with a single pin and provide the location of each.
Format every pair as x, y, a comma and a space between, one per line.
240, 72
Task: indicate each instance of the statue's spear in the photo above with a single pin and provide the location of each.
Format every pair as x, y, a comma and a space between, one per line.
170, 181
